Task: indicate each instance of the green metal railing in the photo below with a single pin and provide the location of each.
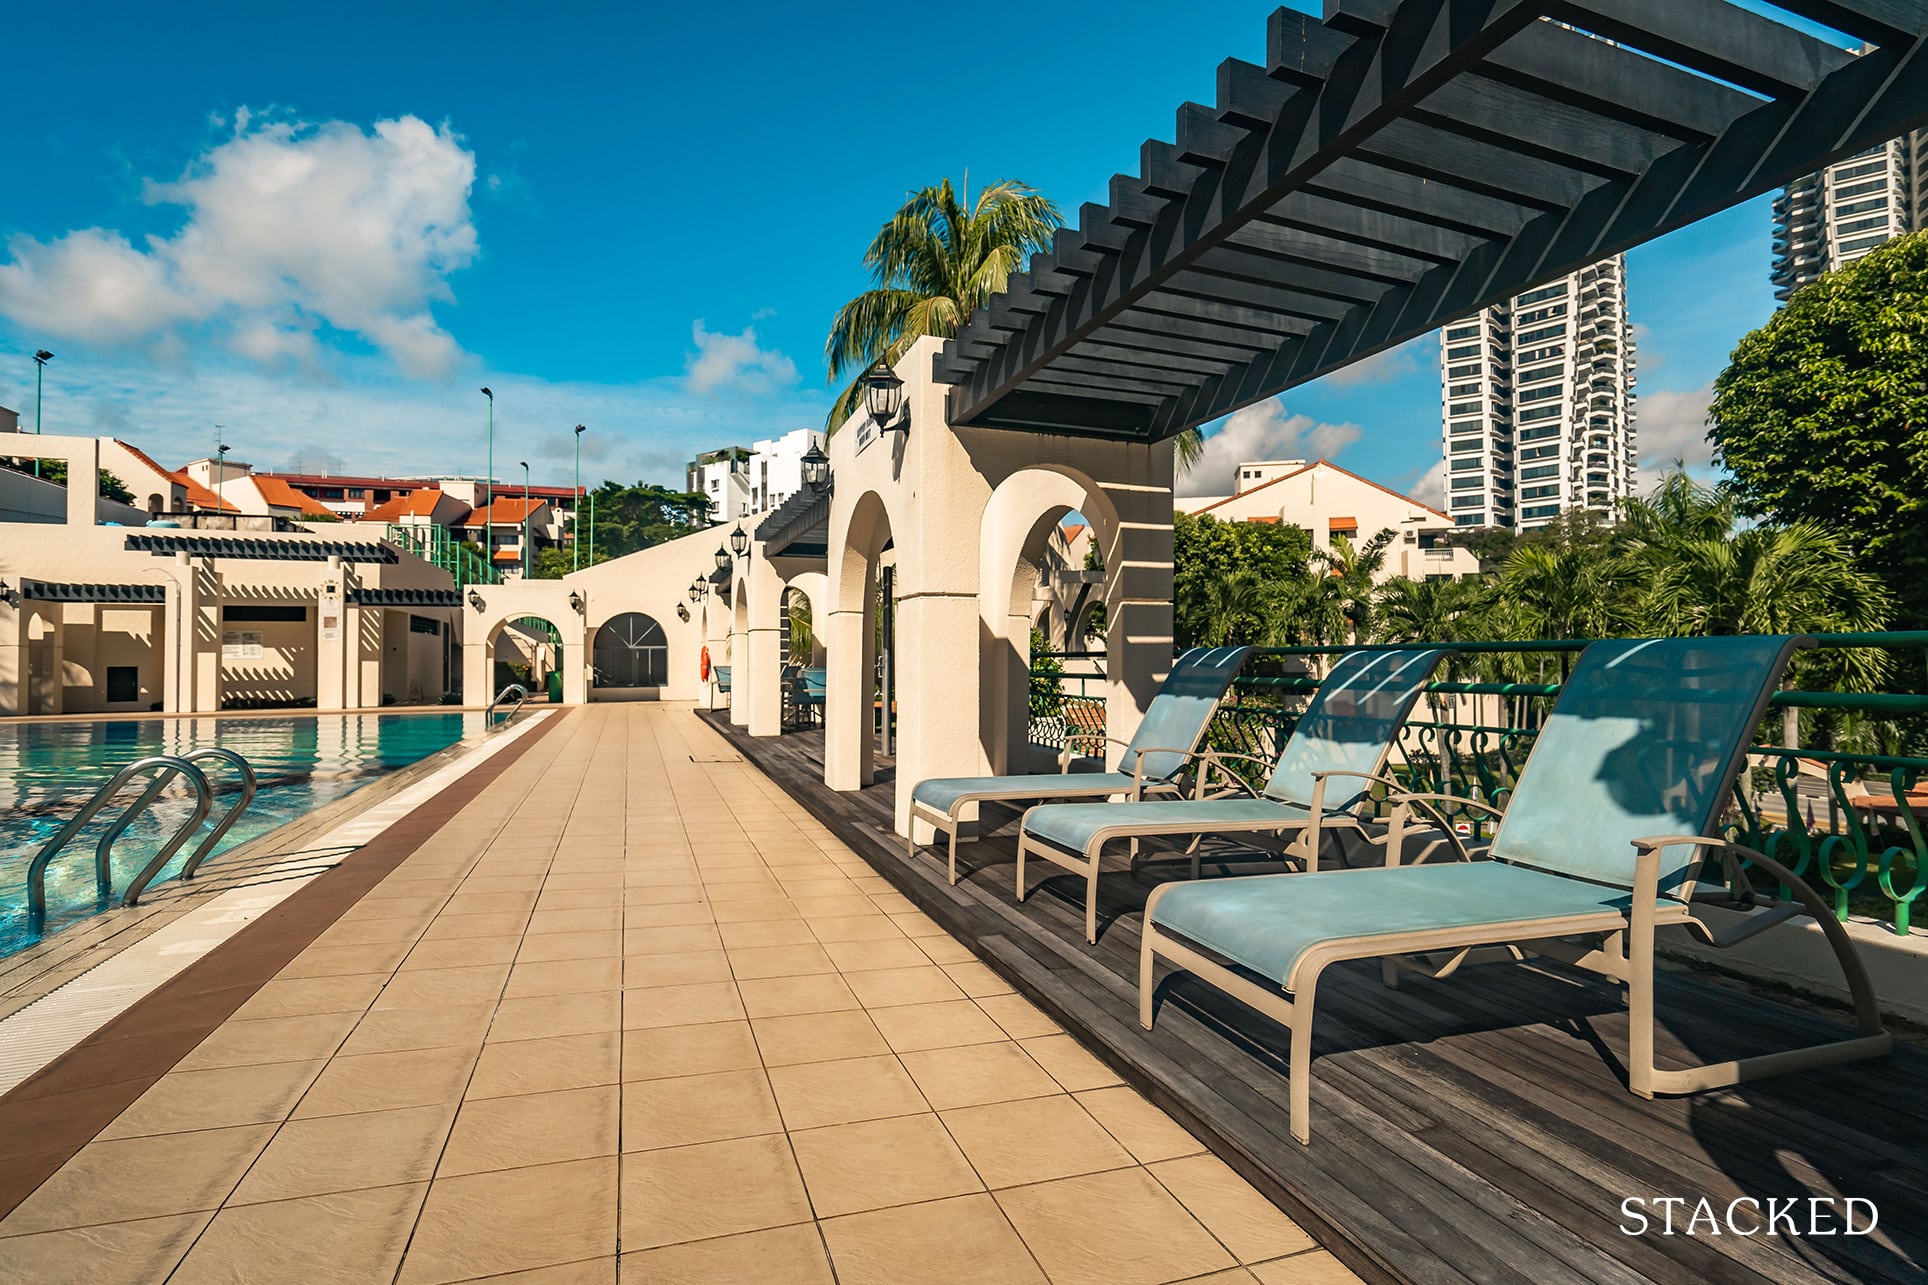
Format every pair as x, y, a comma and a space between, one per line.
1850, 823
437, 544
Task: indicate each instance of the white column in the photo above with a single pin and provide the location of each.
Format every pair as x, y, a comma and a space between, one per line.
15, 682
850, 661
761, 675
1138, 619
937, 694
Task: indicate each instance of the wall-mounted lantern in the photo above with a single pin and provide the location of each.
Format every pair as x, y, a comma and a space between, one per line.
816, 468
475, 600
696, 589
884, 399
722, 558
739, 541
575, 601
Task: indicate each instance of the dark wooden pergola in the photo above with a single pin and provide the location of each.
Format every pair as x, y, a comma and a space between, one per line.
1405, 163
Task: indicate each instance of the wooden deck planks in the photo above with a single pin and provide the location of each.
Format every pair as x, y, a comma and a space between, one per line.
1476, 1129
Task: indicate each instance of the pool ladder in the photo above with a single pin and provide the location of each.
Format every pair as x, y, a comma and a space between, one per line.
513, 696
162, 768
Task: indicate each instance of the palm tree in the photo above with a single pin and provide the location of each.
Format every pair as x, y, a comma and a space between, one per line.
1561, 592
1232, 600
940, 258
1795, 579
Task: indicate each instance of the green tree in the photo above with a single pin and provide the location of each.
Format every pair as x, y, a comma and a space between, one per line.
1210, 599
635, 517
940, 258
1822, 415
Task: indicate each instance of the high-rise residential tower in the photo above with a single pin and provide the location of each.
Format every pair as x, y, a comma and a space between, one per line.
1539, 403
1836, 216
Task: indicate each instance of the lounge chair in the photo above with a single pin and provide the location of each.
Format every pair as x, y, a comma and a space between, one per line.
720, 675
1350, 724
1602, 840
1153, 762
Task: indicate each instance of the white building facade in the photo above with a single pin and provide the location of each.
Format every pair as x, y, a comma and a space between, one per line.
1834, 217
1538, 402
741, 482
1329, 501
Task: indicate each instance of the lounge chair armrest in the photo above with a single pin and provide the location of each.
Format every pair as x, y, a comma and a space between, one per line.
1867, 1010
1065, 755
1405, 803
1138, 765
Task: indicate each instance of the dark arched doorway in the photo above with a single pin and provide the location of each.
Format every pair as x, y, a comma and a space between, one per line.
631, 651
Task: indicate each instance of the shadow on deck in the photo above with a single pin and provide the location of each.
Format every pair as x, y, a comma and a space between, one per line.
1475, 1129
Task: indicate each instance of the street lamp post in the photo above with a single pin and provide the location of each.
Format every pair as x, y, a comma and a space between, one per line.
488, 514
592, 528
220, 472
575, 509
526, 527
40, 359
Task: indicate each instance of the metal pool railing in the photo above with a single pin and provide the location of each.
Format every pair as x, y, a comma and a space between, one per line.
1850, 822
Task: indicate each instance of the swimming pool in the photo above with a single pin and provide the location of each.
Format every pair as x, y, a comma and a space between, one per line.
49, 770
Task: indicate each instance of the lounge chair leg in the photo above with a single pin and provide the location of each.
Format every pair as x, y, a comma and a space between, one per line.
1091, 904
1299, 1063
1145, 958
954, 824
1020, 863
1389, 972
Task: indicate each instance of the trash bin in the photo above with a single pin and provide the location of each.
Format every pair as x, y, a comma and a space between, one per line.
555, 687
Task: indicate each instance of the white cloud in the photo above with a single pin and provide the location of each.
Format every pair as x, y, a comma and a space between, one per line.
1264, 431
1431, 486
289, 226
365, 418
1673, 426
1409, 358
725, 363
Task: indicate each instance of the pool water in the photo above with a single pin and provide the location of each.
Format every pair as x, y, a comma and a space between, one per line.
48, 771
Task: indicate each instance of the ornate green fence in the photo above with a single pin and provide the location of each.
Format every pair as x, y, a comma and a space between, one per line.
1850, 823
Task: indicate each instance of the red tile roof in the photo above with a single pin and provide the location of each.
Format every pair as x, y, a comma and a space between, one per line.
416, 504
1335, 468
503, 512
280, 495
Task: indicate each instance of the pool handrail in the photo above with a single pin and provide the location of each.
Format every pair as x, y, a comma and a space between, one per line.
515, 690
221, 827
165, 765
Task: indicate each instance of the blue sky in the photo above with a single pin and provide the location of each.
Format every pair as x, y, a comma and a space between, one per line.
324, 236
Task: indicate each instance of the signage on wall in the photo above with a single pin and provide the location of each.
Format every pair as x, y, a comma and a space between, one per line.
331, 613
867, 432
241, 644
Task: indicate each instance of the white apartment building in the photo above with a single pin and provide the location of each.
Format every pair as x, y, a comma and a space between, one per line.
741, 482
1538, 402
1329, 501
1834, 217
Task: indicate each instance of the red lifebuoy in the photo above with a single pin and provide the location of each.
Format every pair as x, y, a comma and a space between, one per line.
706, 664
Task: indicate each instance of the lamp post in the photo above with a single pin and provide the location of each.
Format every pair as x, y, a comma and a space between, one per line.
592, 528
220, 471
575, 509
40, 359
488, 513
526, 525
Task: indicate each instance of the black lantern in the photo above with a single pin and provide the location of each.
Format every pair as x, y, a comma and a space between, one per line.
816, 467
884, 397
696, 590
475, 600
575, 601
739, 542
722, 558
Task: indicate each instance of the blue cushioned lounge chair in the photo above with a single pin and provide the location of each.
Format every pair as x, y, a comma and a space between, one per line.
1348, 728
1154, 760
1600, 845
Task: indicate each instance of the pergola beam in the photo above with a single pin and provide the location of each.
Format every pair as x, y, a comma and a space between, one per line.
1401, 165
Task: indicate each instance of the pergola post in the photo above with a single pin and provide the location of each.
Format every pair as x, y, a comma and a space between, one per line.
761, 673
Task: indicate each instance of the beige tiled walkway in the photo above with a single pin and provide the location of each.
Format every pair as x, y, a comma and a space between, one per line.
641, 1010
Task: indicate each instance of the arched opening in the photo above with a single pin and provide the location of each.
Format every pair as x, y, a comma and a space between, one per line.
631, 650
527, 650
1027, 572
860, 711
